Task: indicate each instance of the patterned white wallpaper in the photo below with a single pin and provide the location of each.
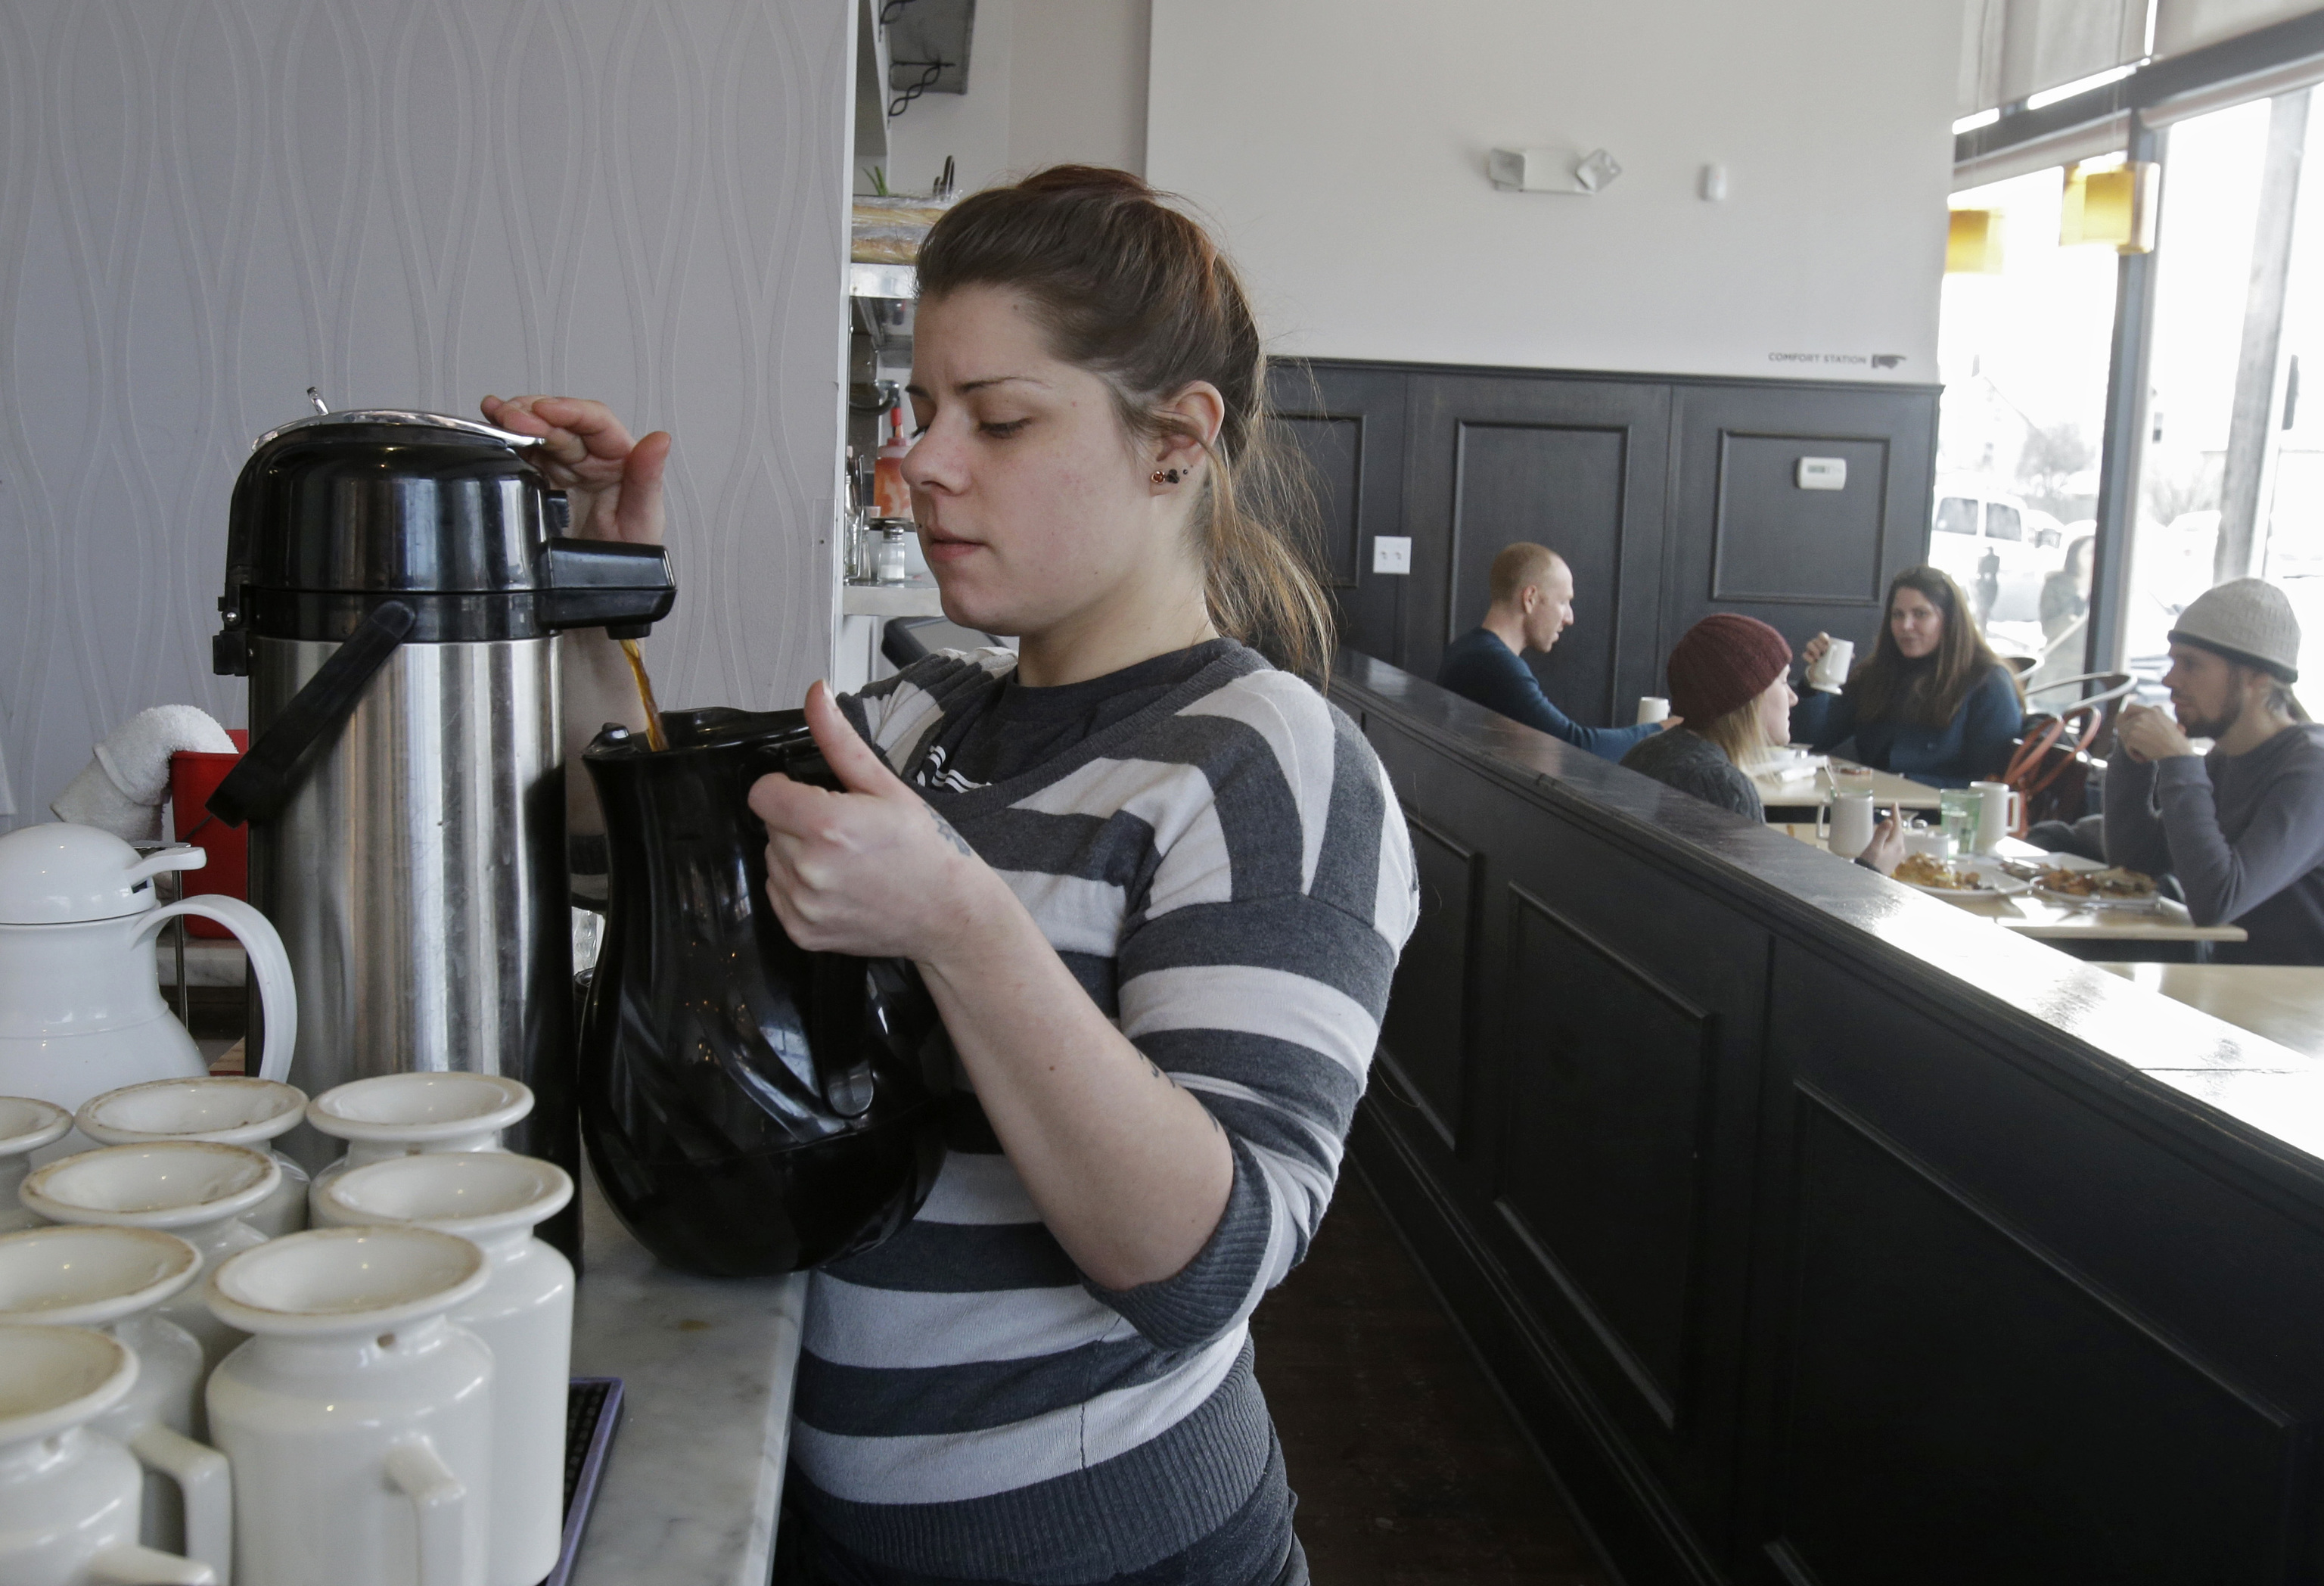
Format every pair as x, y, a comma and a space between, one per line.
209, 205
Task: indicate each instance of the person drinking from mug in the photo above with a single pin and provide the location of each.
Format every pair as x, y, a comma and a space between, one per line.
1154, 882
1933, 703
1532, 592
1728, 676
2242, 827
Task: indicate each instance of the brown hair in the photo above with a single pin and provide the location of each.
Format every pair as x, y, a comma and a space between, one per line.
1139, 295
1927, 692
1516, 565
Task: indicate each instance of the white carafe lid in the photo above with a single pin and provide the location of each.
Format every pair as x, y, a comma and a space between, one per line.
61, 874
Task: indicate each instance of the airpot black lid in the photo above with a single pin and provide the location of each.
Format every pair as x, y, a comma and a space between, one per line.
336, 513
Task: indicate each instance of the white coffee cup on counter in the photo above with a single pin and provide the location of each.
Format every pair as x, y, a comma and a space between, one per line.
1830, 672
69, 1495
26, 1126
1653, 708
227, 1108
199, 1189
524, 1313
410, 1114
358, 1420
114, 1279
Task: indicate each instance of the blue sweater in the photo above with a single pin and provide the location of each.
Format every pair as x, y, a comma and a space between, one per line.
1477, 666
1974, 745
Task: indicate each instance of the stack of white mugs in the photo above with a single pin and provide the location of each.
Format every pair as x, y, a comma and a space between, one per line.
212, 1369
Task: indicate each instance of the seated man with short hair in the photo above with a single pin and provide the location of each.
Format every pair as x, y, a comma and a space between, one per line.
2242, 828
1532, 592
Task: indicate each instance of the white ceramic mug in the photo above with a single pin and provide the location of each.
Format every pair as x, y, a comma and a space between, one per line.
26, 1126
2000, 805
525, 1313
227, 1108
358, 1420
1652, 708
1830, 672
196, 1189
408, 1114
114, 1279
1851, 823
69, 1495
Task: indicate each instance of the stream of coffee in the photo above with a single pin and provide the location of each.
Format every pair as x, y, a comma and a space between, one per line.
654, 739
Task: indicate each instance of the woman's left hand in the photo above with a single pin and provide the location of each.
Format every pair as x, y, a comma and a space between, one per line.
872, 871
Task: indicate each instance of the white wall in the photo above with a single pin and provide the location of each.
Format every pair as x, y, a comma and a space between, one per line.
1340, 146
1049, 82
206, 206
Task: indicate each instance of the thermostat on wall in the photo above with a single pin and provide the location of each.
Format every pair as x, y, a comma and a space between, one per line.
1821, 474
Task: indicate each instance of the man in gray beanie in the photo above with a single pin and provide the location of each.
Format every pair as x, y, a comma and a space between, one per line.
2242, 828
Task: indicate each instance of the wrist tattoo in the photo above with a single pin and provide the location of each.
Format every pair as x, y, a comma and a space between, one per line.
945, 830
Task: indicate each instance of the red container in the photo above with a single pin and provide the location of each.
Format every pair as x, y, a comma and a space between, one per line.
193, 777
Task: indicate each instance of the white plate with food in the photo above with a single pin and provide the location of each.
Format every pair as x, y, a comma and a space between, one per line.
1969, 876
2108, 887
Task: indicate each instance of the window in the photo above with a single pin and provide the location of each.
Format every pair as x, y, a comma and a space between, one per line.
2002, 523
1956, 515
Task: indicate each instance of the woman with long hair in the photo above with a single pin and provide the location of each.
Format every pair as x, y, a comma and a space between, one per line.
1156, 885
1932, 703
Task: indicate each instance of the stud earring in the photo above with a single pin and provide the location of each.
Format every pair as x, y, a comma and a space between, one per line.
1166, 476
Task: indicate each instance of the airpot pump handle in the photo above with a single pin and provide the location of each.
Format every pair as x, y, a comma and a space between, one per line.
263, 780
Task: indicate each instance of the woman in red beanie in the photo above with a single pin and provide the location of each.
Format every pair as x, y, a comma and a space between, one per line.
1728, 679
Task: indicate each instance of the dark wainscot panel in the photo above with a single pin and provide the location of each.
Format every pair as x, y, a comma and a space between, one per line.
1671, 497
1821, 1233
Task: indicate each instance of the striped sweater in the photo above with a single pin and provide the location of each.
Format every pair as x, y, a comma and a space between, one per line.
1228, 875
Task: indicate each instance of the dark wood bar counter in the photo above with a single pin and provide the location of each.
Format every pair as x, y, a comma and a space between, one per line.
1820, 1231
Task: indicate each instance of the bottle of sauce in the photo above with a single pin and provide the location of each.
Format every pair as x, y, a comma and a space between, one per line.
890, 497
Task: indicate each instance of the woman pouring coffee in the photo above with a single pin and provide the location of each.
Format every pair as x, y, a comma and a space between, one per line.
1934, 702
1156, 884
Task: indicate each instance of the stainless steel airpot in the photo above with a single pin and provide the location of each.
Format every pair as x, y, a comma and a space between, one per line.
395, 582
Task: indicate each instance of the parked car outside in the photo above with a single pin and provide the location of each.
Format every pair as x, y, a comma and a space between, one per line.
1991, 543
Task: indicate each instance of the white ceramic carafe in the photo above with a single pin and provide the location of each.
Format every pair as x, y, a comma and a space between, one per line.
196, 1189
26, 1126
226, 1108
358, 1420
81, 1005
112, 1280
410, 1114
69, 1495
524, 1313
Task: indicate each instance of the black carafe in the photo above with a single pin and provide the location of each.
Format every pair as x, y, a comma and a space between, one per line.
751, 1108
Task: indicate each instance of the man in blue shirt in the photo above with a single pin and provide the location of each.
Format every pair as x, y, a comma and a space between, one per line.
1532, 591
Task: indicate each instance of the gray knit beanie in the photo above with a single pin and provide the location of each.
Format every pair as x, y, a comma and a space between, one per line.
2245, 620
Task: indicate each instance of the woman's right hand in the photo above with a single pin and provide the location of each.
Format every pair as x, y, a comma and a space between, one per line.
613, 483
1812, 650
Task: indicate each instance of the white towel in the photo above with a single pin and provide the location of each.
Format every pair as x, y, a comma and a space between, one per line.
120, 790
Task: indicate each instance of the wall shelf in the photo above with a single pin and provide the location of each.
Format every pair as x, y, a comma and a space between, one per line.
918, 598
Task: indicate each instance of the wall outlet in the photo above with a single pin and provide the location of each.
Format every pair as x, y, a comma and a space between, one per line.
1391, 553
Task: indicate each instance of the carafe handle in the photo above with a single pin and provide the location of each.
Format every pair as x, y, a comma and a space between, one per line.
130, 1565
202, 1475
277, 994
268, 771
441, 1500
842, 1058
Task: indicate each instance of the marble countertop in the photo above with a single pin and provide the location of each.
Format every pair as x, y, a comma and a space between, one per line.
696, 1474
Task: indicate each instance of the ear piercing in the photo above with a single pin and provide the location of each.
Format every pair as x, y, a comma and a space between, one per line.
1166, 476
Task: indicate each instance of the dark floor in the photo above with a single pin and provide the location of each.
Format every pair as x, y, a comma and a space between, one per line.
1408, 1470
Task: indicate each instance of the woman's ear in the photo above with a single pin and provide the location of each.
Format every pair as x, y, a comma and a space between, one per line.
1193, 418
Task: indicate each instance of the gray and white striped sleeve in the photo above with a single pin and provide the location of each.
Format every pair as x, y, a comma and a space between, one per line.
1256, 971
